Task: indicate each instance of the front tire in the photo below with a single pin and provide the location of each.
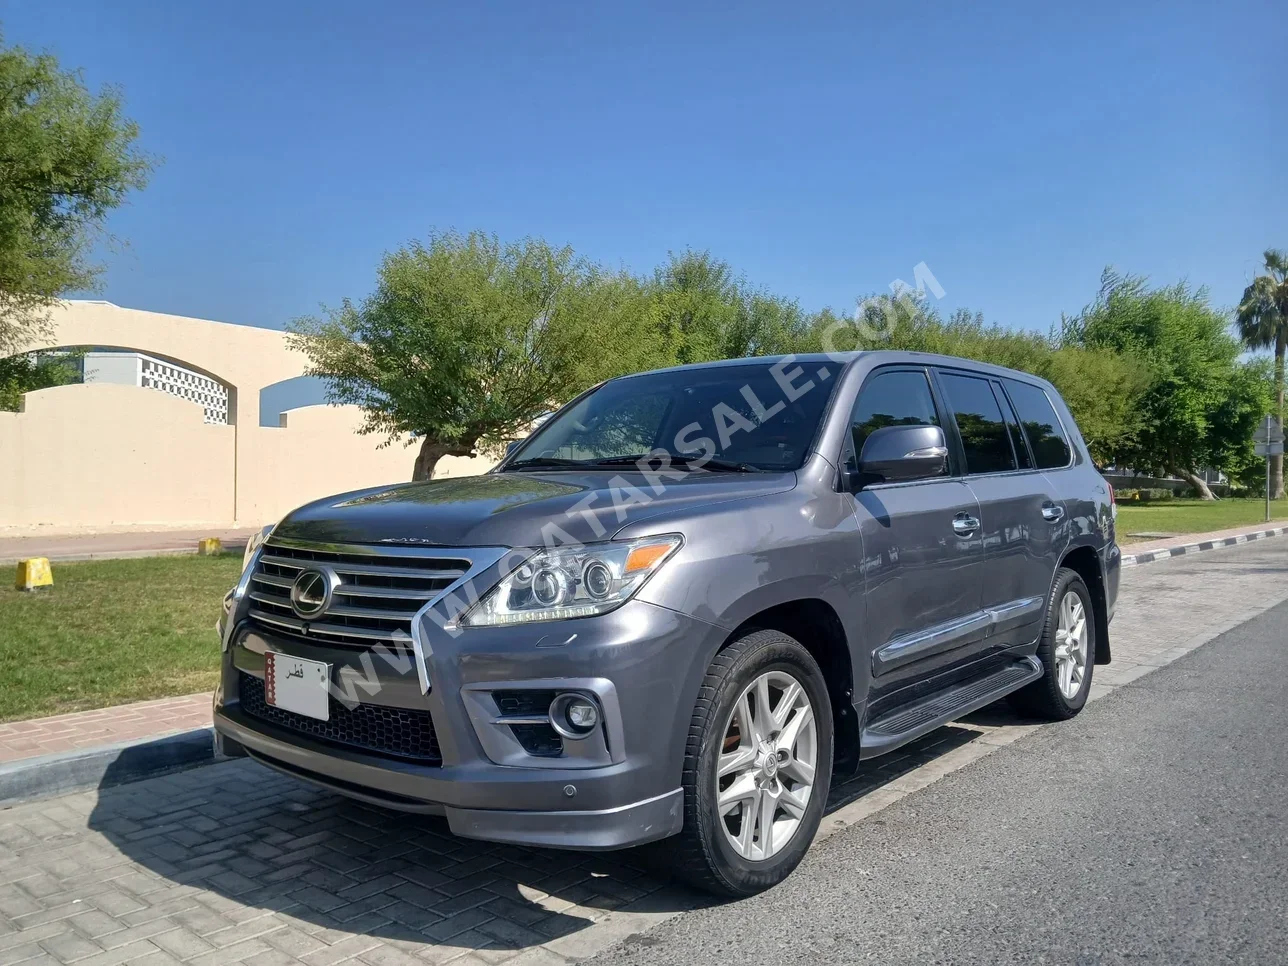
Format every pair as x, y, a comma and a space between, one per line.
1067, 650
757, 767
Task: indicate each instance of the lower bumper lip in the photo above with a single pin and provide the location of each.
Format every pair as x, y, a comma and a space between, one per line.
614, 827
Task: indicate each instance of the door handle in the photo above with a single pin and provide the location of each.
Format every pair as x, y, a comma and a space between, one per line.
964, 524
1052, 513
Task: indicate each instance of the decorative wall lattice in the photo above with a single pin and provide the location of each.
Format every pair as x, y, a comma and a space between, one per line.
186, 384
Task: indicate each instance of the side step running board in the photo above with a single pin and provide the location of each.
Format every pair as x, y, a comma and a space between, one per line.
910, 721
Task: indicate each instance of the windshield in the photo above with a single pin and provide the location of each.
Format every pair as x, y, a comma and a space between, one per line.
755, 416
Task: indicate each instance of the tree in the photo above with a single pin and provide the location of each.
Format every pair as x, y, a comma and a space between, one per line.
1249, 395
1101, 386
1103, 389
465, 341
1262, 318
29, 371
703, 311
67, 158
1199, 406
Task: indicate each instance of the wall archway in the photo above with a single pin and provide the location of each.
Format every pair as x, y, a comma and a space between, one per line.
280, 397
102, 456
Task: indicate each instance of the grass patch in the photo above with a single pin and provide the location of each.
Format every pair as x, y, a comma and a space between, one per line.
1193, 516
112, 631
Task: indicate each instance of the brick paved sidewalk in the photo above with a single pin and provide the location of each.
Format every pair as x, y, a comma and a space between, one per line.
106, 726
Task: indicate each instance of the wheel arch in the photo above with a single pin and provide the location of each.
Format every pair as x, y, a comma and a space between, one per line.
817, 626
1085, 561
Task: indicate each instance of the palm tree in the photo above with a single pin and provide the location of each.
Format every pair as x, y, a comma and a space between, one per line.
1262, 317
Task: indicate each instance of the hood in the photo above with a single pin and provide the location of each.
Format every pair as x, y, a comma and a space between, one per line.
511, 509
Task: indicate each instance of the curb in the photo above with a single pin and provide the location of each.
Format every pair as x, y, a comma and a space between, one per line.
1135, 560
28, 779
233, 547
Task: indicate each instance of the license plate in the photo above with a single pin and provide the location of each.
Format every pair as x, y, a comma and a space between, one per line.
294, 684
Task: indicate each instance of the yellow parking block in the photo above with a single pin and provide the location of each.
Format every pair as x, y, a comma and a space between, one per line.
210, 547
34, 572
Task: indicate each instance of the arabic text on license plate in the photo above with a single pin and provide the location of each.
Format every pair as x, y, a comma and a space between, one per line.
294, 684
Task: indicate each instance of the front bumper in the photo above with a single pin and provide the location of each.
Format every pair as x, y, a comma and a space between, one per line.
610, 793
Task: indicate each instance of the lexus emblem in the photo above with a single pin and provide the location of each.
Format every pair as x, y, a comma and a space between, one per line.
310, 594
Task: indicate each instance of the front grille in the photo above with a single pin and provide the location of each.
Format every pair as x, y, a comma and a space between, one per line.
376, 592
395, 732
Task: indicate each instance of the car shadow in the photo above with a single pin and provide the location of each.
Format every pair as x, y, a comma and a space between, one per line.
876, 773
233, 841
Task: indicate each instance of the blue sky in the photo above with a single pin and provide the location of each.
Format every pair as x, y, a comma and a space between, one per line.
824, 150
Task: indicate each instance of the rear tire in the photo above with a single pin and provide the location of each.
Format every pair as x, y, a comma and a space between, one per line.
1067, 650
759, 751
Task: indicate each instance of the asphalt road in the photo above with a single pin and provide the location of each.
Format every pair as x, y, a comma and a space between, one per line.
1149, 829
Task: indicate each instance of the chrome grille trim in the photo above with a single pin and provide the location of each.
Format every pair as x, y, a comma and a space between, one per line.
335, 630
385, 593
364, 570
374, 603
273, 581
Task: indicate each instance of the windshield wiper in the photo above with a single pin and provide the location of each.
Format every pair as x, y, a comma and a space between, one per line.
678, 459
544, 462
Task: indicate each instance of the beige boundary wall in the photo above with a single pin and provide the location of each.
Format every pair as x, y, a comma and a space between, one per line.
94, 457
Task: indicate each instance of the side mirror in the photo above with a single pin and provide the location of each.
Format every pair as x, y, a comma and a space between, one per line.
897, 454
511, 446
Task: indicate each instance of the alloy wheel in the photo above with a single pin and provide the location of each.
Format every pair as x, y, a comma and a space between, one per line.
765, 771
1071, 645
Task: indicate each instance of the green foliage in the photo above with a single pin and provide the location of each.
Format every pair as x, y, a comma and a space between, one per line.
703, 311
67, 158
1262, 320
1201, 404
1102, 389
466, 340
1101, 386
1245, 398
1262, 315
24, 373
1155, 494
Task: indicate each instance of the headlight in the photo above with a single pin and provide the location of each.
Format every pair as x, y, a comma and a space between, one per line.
255, 542
572, 582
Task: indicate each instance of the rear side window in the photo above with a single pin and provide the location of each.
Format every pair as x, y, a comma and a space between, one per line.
985, 439
1013, 427
1041, 425
898, 398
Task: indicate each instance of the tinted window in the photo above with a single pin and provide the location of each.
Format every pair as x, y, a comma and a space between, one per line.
626, 425
1041, 425
1013, 427
892, 399
743, 414
979, 420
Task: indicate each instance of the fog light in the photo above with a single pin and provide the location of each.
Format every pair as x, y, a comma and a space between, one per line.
574, 716
582, 714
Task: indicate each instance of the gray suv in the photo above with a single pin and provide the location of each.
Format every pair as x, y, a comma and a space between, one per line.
682, 606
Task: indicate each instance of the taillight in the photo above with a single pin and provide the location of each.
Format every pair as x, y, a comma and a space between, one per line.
1113, 500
